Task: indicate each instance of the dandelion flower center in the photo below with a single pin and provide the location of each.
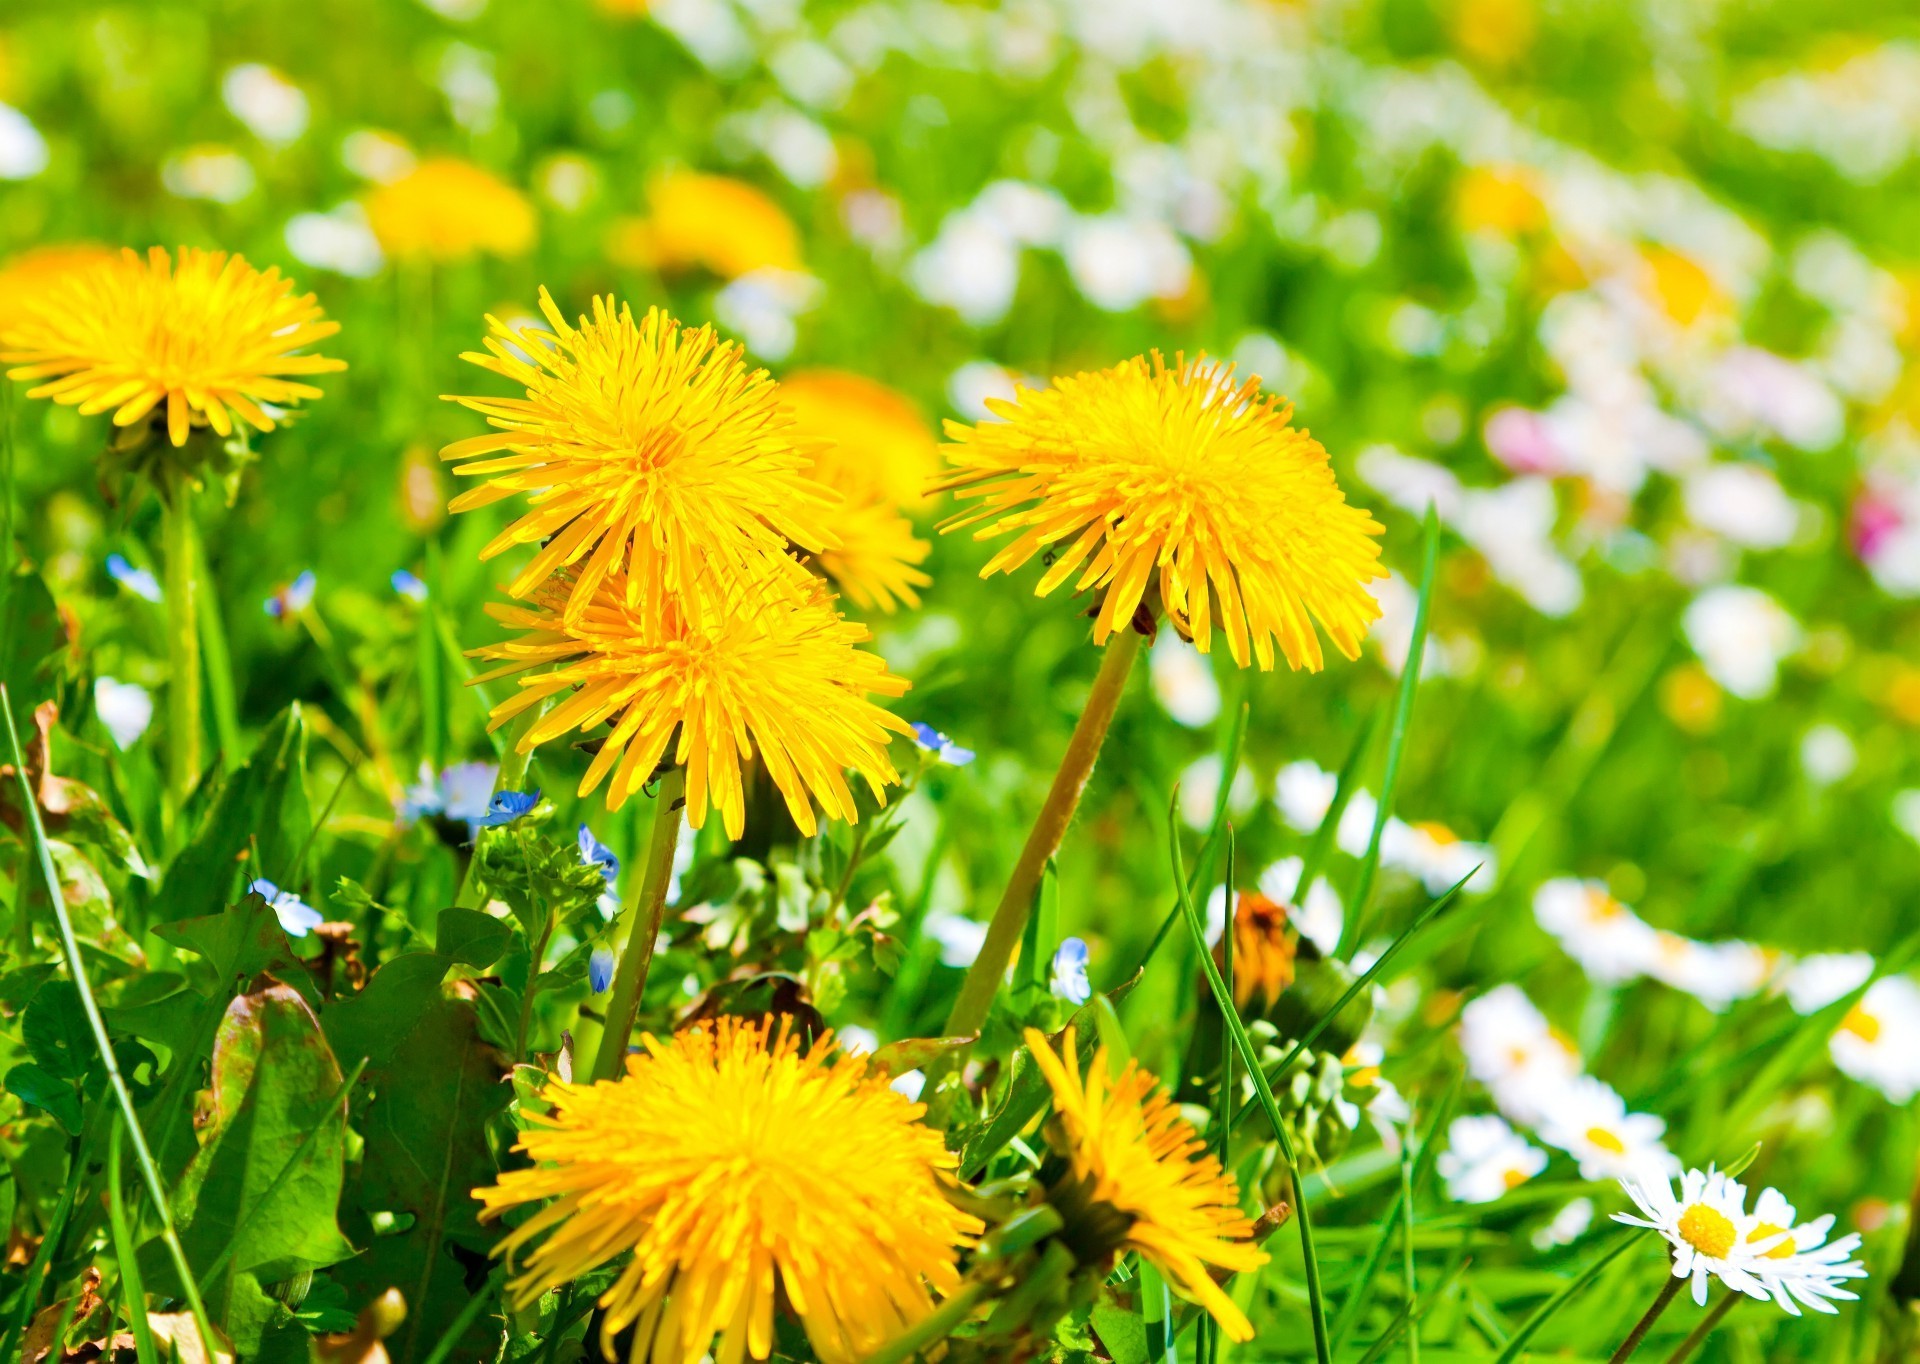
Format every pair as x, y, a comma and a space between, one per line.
1707, 1230
1766, 1231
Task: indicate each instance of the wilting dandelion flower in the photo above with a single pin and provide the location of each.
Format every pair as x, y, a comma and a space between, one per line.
1143, 469
1705, 1225
766, 674
1262, 952
449, 210
739, 1174
1138, 1180
202, 341
647, 449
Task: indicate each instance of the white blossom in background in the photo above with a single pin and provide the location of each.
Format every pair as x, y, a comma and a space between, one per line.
1183, 681
1611, 942
1486, 1159
375, 155
1879, 1041
1566, 1226
466, 78
1320, 918
1200, 791
1119, 263
1743, 502
960, 938
1590, 1122
125, 708
1827, 755
1718, 974
1812, 983
762, 306
340, 241
1304, 791
273, 107
1513, 1051
219, 174
1741, 635
972, 267
970, 386
23, 151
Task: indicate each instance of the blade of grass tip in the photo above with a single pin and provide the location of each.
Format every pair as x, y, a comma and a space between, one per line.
1366, 978
1409, 1319
1355, 923
468, 1315
1229, 769
1528, 1328
124, 1248
1344, 786
1428, 1147
149, 1172
217, 663
287, 1172
1223, 997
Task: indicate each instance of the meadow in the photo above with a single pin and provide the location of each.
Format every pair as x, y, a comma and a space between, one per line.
872, 680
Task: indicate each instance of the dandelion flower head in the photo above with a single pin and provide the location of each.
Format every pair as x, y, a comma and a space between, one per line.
1146, 469
202, 341
765, 672
643, 448
1134, 1157
444, 209
739, 1173
876, 438
713, 222
32, 273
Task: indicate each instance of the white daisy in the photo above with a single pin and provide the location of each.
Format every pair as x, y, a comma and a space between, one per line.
1797, 1261
1320, 918
1304, 792
1812, 983
1715, 973
1590, 1122
1567, 1226
1611, 942
1706, 1226
1485, 1159
1879, 1041
1183, 681
1511, 1049
1436, 856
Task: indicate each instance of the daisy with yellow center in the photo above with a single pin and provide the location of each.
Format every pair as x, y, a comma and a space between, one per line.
1136, 1165
204, 341
1611, 942
1797, 1264
446, 210
744, 1178
765, 673
645, 450
1705, 1225
1590, 1122
1879, 1039
1486, 1159
1145, 472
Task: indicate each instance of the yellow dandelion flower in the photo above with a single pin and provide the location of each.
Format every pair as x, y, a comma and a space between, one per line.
876, 557
877, 436
32, 274
771, 671
739, 1174
708, 222
646, 448
450, 210
1133, 1155
1143, 467
205, 341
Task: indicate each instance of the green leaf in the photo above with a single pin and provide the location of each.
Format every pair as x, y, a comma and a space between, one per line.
32, 640
33, 1085
1122, 1331
264, 804
371, 1024
242, 940
274, 1082
471, 937
55, 1030
158, 1007
435, 1093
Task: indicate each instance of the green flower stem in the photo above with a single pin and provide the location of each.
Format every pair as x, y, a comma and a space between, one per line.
1698, 1335
179, 549
76, 967
513, 773
1668, 1291
643, 926
942, 1323
1049, 828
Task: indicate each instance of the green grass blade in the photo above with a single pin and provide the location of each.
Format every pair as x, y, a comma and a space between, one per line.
1352, 928
468, 1315
1224, 998
1541, 1314
122, 1097
1345, 785
1409, 1319
125, 1246
29, 1300
216, 663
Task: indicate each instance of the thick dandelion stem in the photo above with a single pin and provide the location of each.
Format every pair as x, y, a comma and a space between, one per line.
643, 917
1063, 798
178, 548
1640, 1328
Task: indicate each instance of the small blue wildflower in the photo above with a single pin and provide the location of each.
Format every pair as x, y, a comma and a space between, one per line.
594, 853
1070, 971
944, 749
409, 585
463, 793
138, 581
505, 807
292, 599
296, 916
600, 969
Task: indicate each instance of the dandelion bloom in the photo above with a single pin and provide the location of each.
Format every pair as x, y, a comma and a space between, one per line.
875, 433
205, 340
876, 556
1131, 1155
1143, 467
767, 673
1262, 952
646, 449
739, 1173
34, 273
713, 222
449, 210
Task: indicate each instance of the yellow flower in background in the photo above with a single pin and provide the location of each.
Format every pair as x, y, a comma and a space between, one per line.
876, 556
646, 450
742, 1176
449, 210
32, 274
709, 222
1683, 289
877, 435
205, 341
1263, 954
1501, 200
770, 671
1143, 469
1133, 1156
1495, 32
